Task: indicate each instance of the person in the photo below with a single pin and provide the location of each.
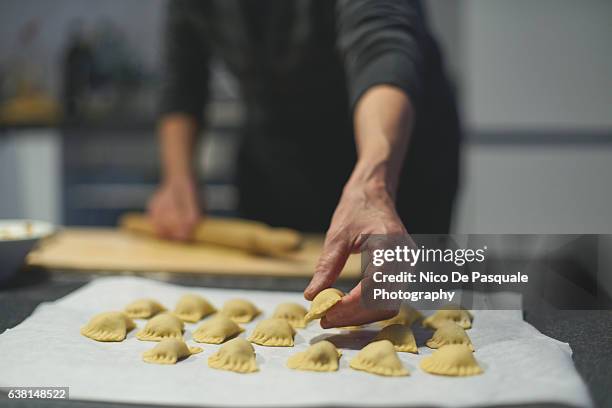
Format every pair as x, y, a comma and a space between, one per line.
350, 116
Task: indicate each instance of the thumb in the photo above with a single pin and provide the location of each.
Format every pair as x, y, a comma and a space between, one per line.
335, 253
351, 312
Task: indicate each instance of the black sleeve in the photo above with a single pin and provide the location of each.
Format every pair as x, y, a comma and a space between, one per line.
185, 82
381, 43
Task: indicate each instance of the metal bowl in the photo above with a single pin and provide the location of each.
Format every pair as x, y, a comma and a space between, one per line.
17, 238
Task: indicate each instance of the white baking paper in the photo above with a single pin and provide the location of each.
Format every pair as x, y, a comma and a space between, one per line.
521, 364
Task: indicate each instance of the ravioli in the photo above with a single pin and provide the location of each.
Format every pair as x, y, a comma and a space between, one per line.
379, 358
169, 351
193, 308
323, 302
108, 326
216, 330
236, 355
163, 326
451, 313
455, 360
321, 356
240, 310
400, 336
273, 333
407, 315
449, 333
143, 309
293, 313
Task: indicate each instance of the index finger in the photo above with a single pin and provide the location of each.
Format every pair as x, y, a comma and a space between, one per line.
335, 253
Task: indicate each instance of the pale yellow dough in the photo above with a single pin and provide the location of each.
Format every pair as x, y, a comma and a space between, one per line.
321, 356
163, 326
216, 330
293, 313
169, 351
451, 313
455, 360
193, 308
379, 358
240, 310
401, 336
449, 333
322, 303
144, 309
406, 315
108, 326
236, 355
273, 333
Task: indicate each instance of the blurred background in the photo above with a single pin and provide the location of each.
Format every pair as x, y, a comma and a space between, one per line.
79, 87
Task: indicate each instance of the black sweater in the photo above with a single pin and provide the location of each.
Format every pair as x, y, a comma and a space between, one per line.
301, 66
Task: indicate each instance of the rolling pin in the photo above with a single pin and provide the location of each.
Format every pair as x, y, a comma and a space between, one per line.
251, 236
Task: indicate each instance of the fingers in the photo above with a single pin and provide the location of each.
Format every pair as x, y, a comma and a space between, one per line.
350, 312
155, 218
183, 222
335, 253
172, 217
181, 230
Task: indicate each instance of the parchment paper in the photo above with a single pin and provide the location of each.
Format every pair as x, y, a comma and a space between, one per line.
521, 364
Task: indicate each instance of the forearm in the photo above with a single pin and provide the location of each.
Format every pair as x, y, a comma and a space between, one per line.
177, 136
383, 122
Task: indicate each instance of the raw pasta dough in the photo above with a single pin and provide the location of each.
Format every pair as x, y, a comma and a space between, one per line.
451, 313
240, 310
400, 336
379, 358
192, 308
321, 356
163, 326
251, 236
143, 309
169, 351
449, 333
293, 313
273, 332
407, 315
108, 326
323, 302
453, 360
236, 355
216, 330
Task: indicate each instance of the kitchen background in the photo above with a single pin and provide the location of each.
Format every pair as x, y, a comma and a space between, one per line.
533, 77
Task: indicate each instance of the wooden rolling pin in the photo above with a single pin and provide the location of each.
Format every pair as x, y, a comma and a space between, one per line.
251, 236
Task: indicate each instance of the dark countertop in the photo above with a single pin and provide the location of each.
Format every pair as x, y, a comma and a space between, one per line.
588, 332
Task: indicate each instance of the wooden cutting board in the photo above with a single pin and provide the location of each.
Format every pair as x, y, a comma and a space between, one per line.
102, 249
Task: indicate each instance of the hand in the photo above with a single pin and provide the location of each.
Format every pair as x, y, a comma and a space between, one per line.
350, 312
362, 210
174, 210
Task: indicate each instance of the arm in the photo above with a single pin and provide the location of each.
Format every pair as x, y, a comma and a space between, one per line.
174, 209
383, 120
382, 59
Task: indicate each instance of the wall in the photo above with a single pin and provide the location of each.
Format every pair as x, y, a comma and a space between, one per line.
536, 93
30, 175
536, 189
537, 63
